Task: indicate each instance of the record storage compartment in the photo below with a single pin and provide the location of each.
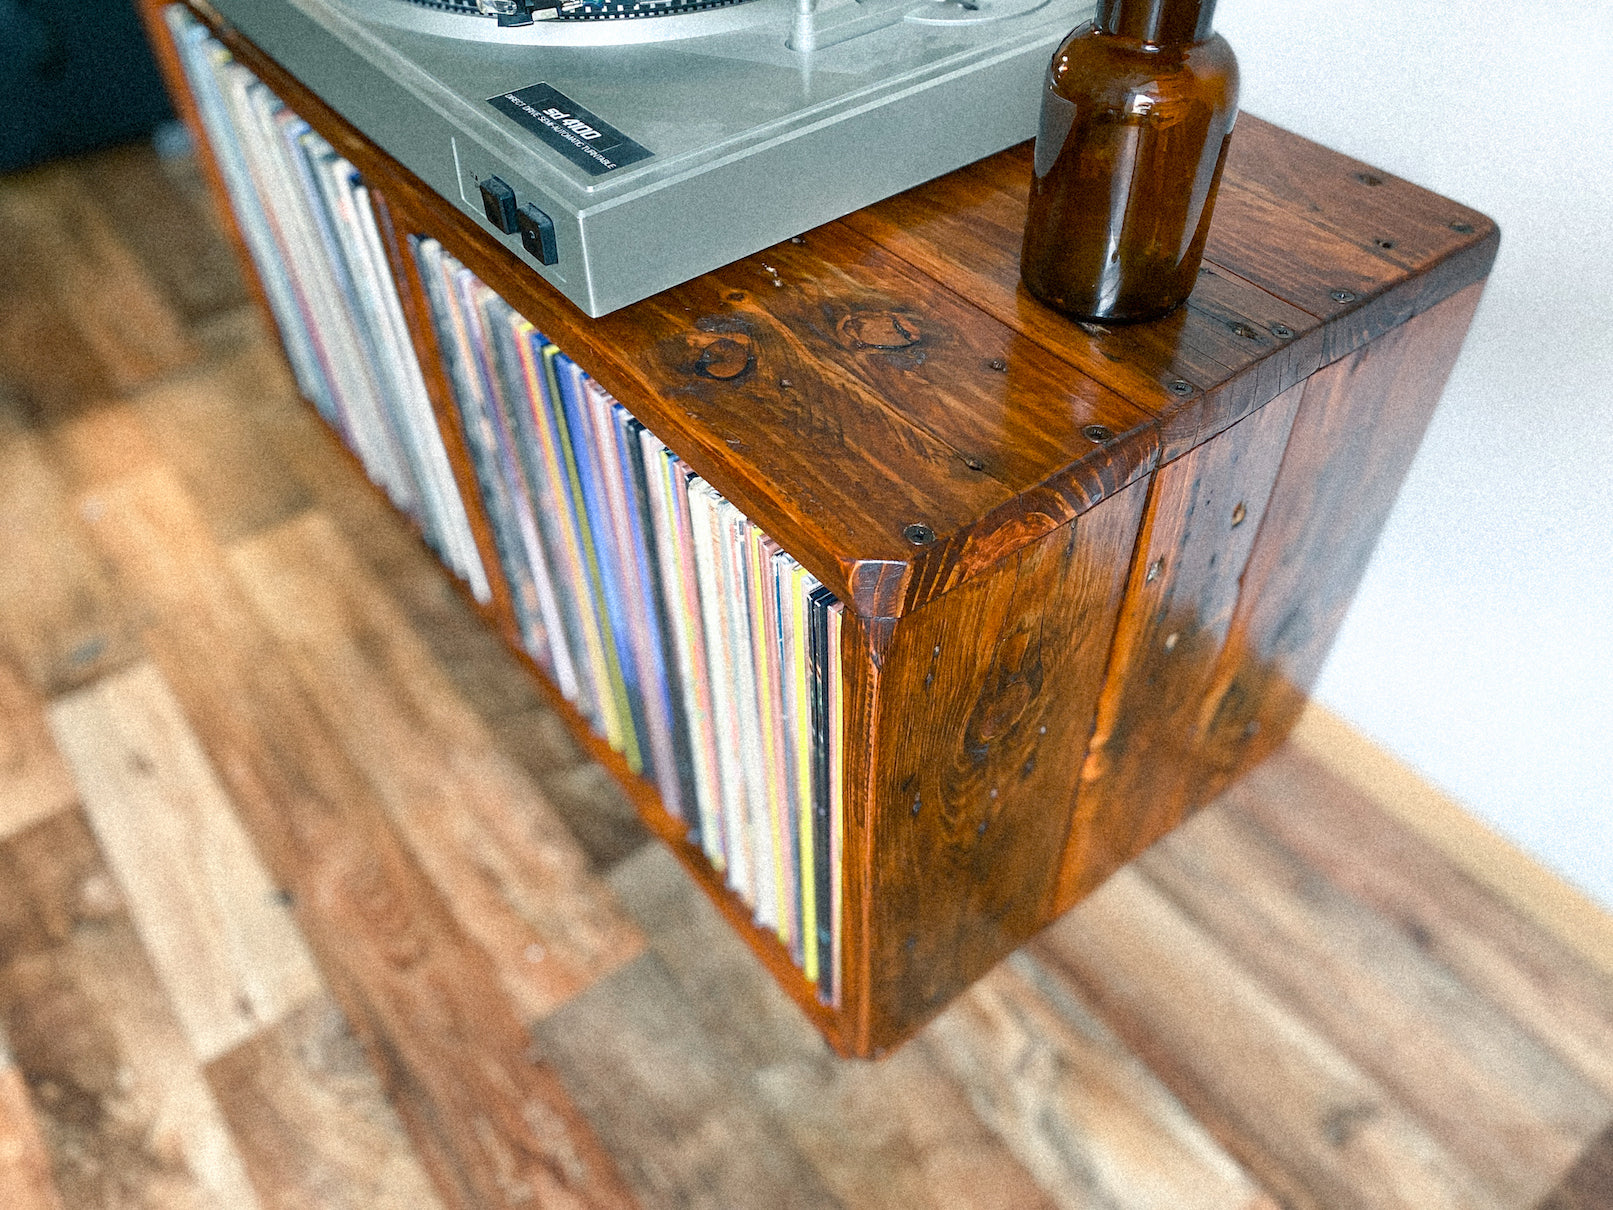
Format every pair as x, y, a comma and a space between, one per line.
1086, 575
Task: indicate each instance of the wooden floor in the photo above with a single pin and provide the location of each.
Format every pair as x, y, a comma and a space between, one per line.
306, 901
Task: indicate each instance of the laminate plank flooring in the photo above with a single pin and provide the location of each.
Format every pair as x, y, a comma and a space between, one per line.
245, 719
229, 957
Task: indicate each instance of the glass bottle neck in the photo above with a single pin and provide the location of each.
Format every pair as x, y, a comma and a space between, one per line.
1158, 22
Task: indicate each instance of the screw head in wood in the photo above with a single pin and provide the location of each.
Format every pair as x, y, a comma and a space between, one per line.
1281, 331
919, 535
1462, 228
1342, 296
1179, 386
1098, 433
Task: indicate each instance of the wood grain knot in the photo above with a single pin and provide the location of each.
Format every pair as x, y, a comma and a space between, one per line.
995, 716
879, 330
724, 356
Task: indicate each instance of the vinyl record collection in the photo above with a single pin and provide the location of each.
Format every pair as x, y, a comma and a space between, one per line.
310, 229
701, 651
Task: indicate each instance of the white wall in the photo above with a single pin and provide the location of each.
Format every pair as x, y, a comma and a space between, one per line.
1480, 648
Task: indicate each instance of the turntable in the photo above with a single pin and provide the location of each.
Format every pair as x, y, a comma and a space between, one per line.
619, 147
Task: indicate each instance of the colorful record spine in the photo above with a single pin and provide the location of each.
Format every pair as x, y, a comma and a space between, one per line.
309, 226
697, 647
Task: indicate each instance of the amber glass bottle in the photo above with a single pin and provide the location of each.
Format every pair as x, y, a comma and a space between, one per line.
1136, 119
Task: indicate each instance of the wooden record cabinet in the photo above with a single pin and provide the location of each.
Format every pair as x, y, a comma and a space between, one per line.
1089, 573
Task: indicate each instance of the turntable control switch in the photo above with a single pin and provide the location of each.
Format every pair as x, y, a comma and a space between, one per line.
498, 202
537, 233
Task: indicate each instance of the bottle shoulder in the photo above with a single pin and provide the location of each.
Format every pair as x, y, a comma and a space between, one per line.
1113, 70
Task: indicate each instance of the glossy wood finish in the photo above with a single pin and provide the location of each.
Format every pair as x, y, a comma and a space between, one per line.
988, 690
1353, 439
1131, 564
1204, 511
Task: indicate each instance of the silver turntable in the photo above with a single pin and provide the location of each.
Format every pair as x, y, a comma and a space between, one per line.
619, 147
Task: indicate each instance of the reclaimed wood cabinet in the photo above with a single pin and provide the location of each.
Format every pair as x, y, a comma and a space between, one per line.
1090, 573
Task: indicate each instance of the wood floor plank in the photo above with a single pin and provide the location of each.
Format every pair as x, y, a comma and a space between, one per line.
1316, 1131
160, 210
79, 316
313, 1122
1082, 1112
61, 616
495, 1128
223, 945
99, 445
34, 781
1506, 871
596, 811
1494, 946
120, 1100
1589, 1184
1500, 1100
685, 1126
25, 1179
204, 426
899, 1134
483, 833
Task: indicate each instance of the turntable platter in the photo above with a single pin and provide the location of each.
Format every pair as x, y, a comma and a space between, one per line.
573, 22
515, 13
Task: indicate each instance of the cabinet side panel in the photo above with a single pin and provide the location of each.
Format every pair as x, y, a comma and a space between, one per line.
1204, 511
988, 696
1358, 427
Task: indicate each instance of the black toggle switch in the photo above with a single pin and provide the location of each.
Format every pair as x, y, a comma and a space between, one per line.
498, 203
537, 233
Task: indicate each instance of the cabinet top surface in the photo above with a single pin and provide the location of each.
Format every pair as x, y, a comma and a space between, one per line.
883, 397
885, 386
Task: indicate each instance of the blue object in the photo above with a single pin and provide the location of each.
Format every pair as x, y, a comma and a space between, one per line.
74, 77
